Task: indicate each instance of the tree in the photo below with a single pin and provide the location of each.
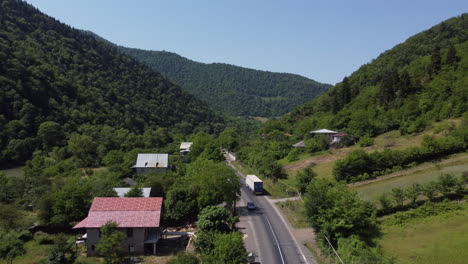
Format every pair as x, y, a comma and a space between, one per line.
338, 212
215, 219
70, 203
436, 61
412, 193
452, 57
110, 245
50, 133
446, 183
211, 152
63, 251
303, 178
214, 182
398, 196
135, 191
384, 201
181, 203
200, 140
430, 190
229, 139
11, 216
228, 248
84, 148
10, 246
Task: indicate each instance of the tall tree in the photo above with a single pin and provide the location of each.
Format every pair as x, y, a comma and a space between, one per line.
110, 245
10, 246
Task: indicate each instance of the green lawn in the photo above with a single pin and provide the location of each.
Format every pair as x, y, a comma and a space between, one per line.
431, 240
370, 192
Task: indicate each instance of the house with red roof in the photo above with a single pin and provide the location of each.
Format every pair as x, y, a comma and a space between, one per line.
137, 217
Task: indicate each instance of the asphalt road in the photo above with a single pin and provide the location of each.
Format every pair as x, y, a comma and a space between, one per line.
267, 235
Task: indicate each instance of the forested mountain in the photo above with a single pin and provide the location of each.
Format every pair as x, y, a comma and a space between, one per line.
421, 80
230, 89
50, 72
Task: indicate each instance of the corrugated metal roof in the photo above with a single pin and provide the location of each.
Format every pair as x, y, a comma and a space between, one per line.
323, 131
122, 191
152, 161
126, 212
185, 145
300, 144
126, 204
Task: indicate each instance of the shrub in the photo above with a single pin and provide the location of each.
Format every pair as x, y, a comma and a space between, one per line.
366, 141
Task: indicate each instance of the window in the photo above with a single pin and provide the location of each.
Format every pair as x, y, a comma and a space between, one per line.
92, 248
131, 248
129, 232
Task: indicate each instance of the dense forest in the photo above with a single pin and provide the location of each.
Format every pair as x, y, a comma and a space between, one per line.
55, 80
421, 80
233, 90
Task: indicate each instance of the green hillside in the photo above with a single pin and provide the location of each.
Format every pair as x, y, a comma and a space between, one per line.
50, 72
421, 80
233, 90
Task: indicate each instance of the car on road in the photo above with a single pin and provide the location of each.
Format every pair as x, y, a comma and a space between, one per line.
251, 206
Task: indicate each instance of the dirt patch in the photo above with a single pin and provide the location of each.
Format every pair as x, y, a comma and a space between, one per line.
314, 160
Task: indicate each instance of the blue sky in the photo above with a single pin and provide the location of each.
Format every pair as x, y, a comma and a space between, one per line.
322, 40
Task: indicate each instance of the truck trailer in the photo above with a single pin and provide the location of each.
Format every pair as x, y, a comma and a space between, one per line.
254, 184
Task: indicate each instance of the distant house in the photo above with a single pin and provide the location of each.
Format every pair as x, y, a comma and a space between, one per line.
138, 218
336, 138
151, 162
122, 191
185, 147
300, 144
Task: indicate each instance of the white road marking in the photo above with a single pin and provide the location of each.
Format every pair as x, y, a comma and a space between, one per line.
276, 239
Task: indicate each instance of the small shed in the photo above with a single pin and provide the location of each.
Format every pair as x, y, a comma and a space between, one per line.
300, 144
185, 147
336, 138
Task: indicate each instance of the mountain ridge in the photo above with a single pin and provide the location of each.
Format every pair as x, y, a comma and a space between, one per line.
52, 72
231, 89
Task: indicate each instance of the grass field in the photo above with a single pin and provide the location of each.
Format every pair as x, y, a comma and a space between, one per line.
370, 192
431, 240
293, 211
15, 172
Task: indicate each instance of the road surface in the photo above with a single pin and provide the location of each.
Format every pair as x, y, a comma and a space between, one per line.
266, 233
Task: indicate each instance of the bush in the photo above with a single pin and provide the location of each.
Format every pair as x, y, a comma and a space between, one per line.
352, 250
303, 178
293, 155
366, 141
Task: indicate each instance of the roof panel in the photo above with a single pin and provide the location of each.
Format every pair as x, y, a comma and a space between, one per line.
148, 160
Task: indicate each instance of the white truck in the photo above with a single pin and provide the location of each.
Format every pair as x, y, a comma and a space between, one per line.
254, 184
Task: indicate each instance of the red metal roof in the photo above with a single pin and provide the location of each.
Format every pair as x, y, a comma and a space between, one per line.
126, 204
126, 212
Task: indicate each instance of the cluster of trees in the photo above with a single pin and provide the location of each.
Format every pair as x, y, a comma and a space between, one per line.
54, 79
361, 165
444, 186
349, 223
263, 153
217, 239
233, 90
407, 87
